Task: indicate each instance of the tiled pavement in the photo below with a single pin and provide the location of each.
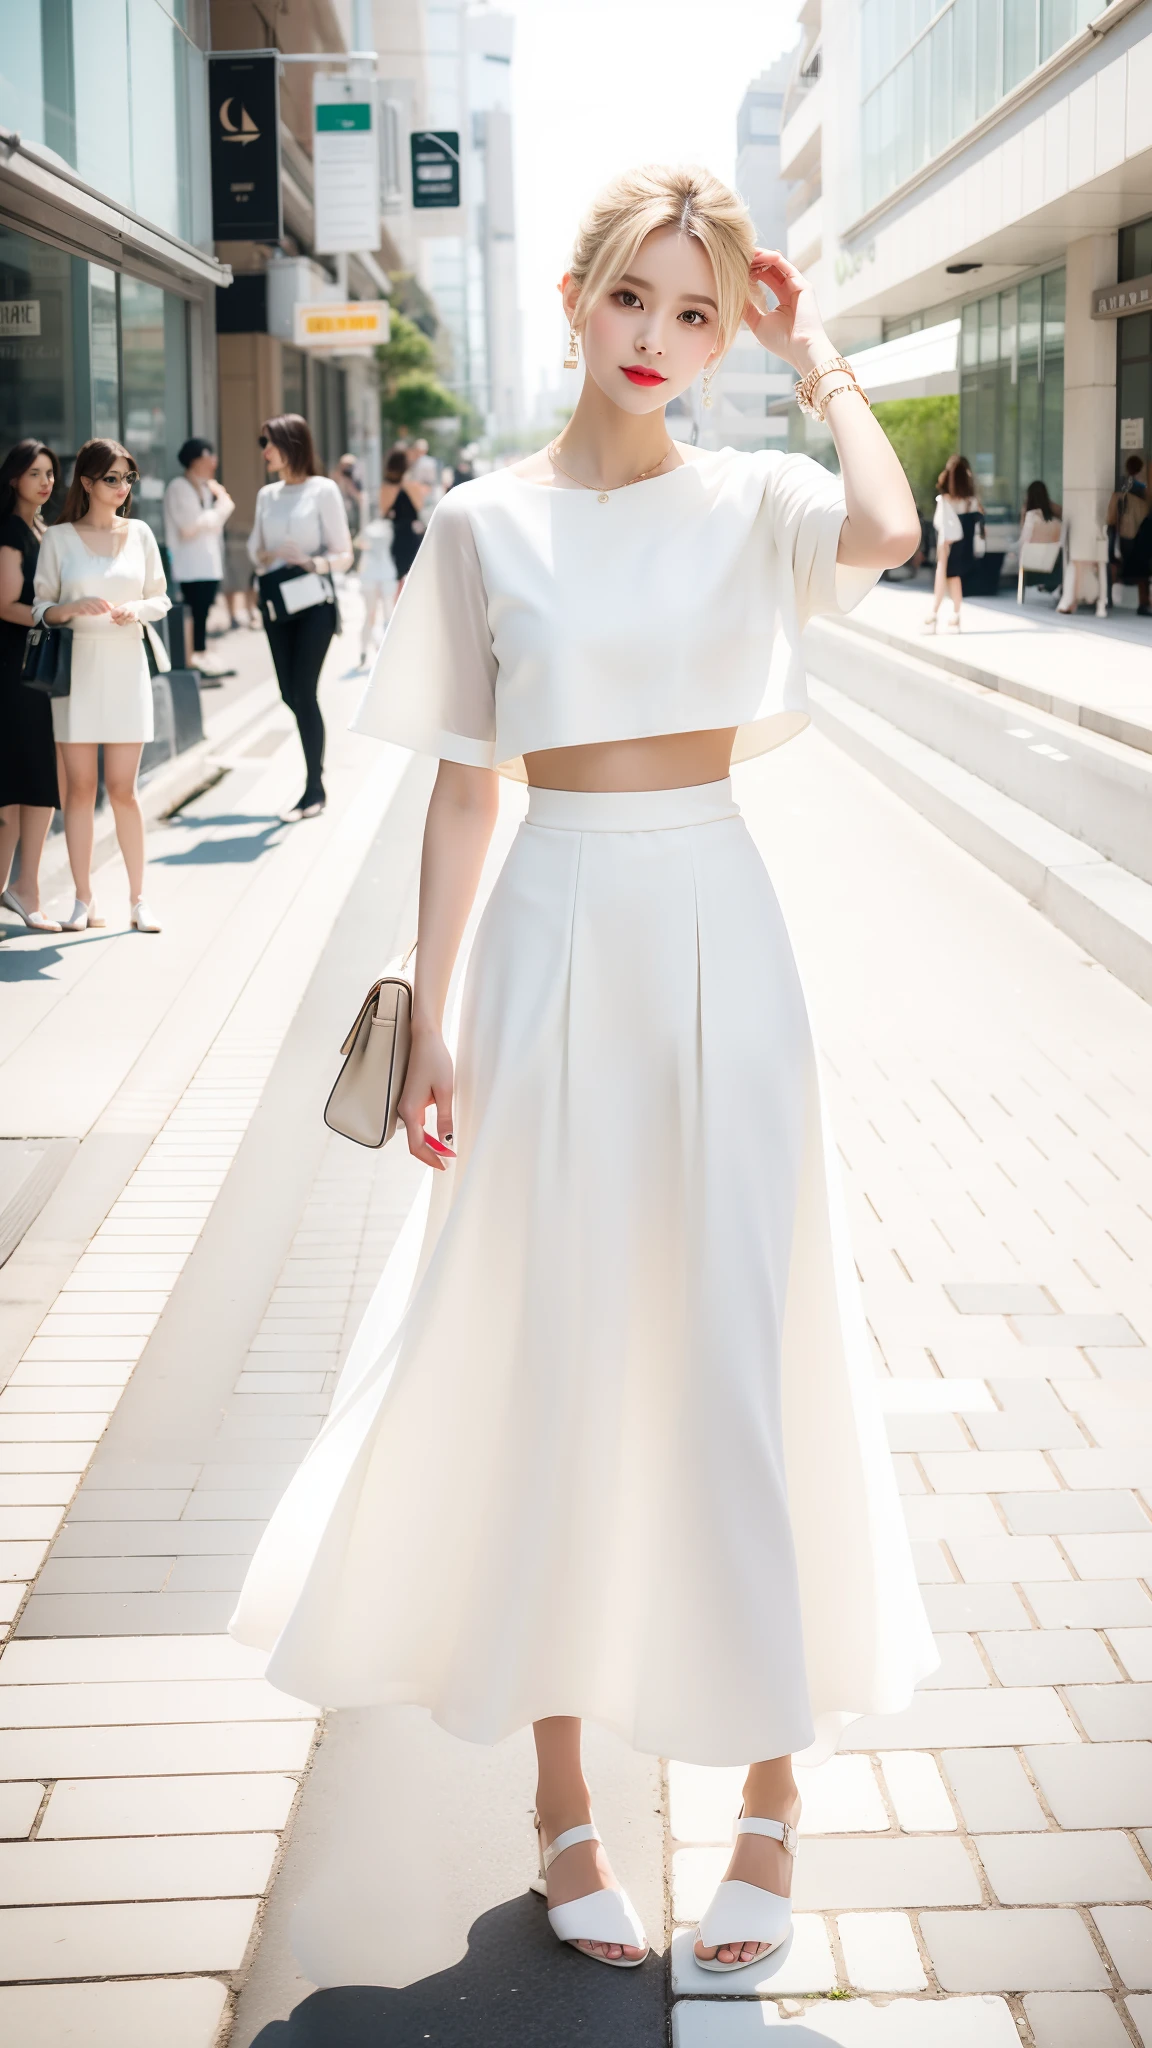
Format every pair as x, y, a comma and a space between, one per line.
973, 1872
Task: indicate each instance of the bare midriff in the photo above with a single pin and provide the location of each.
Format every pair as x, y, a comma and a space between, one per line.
671, 760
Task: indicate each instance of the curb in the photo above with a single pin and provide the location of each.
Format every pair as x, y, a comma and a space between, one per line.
1093, 901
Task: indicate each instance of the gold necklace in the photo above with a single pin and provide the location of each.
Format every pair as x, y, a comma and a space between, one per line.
603, 496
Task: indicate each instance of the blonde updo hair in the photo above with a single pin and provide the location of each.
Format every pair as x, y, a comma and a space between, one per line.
655, 196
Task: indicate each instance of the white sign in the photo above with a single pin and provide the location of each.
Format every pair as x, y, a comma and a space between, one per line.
19, 316
1132, 434
359, 323
345, 164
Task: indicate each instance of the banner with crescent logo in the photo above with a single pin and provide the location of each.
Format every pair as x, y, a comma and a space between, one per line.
244, 113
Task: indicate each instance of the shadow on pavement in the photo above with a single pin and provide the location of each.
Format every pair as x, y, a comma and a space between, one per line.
515, 1988
221, 852
18, 965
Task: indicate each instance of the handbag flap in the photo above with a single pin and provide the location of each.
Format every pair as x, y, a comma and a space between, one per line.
384, 996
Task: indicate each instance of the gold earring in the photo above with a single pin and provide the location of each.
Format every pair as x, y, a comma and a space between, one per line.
707, 400
572, 359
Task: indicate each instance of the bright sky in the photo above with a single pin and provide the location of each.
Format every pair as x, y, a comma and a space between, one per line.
601, 84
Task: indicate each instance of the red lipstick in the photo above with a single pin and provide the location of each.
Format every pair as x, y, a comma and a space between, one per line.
637, 375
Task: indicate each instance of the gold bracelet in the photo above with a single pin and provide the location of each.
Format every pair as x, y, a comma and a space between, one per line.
807, 385
822, 409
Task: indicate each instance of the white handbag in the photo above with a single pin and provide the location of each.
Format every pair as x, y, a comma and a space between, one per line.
365, 1098
300, 593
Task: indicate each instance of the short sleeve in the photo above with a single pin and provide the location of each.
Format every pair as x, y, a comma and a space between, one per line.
947, 521
807, 512
434, 684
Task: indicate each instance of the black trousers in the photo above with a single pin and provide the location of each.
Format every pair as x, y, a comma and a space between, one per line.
198, 598
298, 647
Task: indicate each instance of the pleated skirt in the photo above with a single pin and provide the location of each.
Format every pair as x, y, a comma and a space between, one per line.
607, 1442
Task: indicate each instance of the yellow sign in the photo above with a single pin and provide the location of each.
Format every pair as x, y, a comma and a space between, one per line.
361, 323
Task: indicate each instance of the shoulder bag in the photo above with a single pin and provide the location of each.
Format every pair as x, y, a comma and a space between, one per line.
284, 592
365, 1098
47, 664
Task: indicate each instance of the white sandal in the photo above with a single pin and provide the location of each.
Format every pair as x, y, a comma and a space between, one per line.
83, 917
739, 1912
34, 919
142, 918
607, 1916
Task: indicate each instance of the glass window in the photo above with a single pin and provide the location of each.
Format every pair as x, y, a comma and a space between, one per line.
103, 353
887, 98
906, 161
1057, 25
36, 361
1135, 335
869, 46
1012, 391
920, 98
295, 382
1136, 250
1134, 398
964, 65
102, 153
940, 40
156, 136
987, 55
154, 344
1020, 23
969, 337
22, 74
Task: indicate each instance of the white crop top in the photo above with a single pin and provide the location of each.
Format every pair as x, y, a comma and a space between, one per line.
537, 617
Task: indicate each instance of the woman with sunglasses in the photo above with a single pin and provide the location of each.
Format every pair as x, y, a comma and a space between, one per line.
100, 573
300, 529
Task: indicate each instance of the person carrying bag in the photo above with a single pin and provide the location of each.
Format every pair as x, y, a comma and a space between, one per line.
299, 541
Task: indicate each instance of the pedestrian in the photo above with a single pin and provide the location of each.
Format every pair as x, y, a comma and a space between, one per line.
29, 791
463, 470
299, 531
377, 579
100, 574
239, 584
196, 510
401, 501
348, 481
959, 524
1040, 527
429, 474
557, 1487
1127, 512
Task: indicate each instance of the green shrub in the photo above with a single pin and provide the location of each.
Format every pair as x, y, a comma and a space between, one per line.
924, 432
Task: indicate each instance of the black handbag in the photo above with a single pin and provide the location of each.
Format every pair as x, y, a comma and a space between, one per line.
47, 664
276, 608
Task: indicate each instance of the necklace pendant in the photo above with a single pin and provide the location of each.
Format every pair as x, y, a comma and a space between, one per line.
601, 497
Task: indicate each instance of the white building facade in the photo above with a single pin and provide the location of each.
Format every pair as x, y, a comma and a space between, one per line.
988, 162
446, 66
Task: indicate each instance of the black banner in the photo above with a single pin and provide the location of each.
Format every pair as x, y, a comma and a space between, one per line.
436, 167
244, 114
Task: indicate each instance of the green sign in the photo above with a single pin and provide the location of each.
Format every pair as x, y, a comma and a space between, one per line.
340, 119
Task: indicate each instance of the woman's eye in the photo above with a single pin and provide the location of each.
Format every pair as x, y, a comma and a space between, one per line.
695, 318
627, 299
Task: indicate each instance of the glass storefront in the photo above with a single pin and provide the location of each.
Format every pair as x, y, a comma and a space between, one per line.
1134, 353
1012, 392
85, 351
929, 71
119, 89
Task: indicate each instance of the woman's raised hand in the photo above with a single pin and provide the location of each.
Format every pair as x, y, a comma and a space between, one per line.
429, 1080
81, 608
123, 615
793, 329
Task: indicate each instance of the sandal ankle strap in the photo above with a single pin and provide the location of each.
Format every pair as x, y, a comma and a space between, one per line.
781, 1831
568, 1840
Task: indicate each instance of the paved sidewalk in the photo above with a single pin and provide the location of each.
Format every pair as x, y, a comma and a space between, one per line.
973, 1874
1092, 672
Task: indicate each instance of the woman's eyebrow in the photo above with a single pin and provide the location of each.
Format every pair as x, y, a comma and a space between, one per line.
696, 298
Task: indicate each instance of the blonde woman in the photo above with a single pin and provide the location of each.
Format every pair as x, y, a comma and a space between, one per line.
555, 1489
100, 574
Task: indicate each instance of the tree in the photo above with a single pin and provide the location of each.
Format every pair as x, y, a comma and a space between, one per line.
924, 432
415, 398
407, 348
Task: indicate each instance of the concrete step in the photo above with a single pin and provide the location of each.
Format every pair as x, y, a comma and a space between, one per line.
1096, 789
948, 651
1101, 905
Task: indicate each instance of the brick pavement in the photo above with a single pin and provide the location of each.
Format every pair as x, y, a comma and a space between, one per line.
975, 1871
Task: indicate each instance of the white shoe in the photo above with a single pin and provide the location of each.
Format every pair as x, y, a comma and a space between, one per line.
741, 1912
34, 919
928, 624
300, 812
142, 919
83, 917
607, 1916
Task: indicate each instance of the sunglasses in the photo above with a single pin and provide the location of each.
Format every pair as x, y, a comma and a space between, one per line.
264, 441
115, 479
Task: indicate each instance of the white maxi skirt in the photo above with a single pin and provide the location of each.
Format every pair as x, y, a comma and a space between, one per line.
620, 1455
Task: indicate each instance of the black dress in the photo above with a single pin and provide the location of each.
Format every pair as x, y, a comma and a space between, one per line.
405, 540
27, 748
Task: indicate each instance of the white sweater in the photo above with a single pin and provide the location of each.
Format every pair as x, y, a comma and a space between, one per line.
308, 516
